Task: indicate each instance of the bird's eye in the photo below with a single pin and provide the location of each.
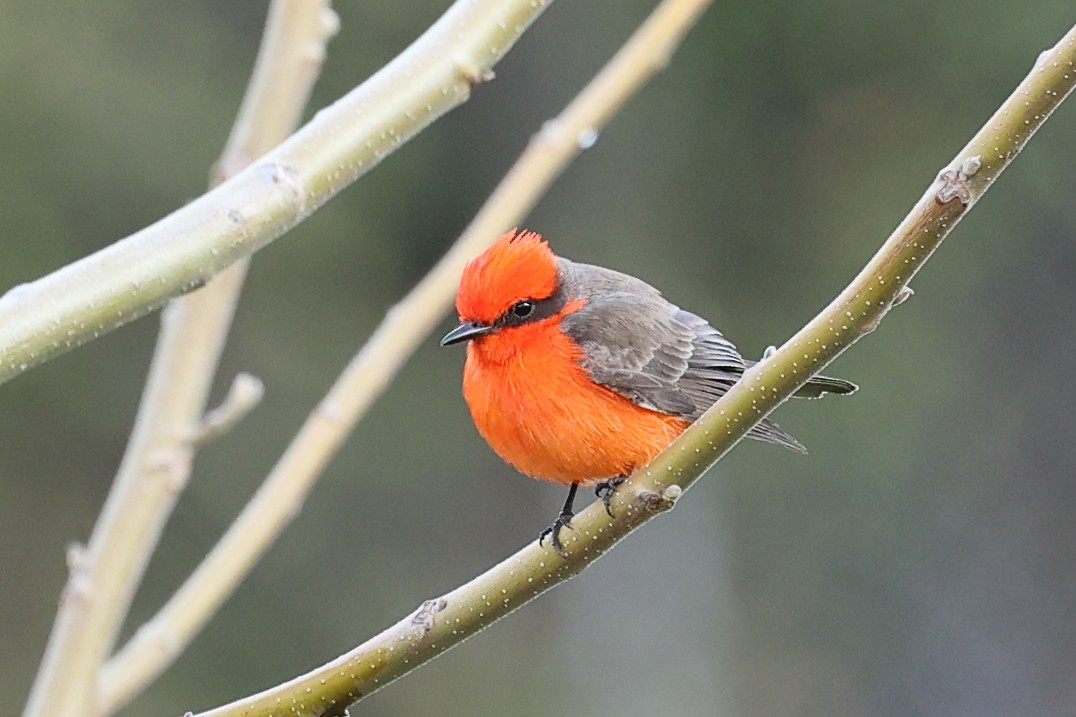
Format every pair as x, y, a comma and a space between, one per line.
523, 309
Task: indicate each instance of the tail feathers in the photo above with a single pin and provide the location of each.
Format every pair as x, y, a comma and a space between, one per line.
770, 432
821, 385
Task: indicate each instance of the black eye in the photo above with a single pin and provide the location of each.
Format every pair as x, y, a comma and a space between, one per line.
523, 309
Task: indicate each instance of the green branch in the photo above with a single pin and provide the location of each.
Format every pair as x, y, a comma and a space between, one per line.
444, 622
184, 250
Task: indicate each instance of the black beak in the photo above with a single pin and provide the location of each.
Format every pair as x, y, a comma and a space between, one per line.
465, 332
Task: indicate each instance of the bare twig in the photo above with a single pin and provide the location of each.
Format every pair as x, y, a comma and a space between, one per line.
169, 426
246, 393
444, 622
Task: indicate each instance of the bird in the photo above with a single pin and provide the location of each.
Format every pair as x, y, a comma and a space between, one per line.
579, 375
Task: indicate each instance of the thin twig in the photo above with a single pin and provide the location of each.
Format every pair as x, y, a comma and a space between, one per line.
440, 624
342, 142
170, 425
246, 393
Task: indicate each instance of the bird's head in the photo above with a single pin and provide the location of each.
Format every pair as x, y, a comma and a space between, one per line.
512, 283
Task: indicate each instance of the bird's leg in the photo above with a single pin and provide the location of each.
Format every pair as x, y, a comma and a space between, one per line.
563, 521
605, 490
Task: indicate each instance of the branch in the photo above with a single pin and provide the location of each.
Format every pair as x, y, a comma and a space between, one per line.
170, 425
370, 372
184, 250
444, 622
244, 395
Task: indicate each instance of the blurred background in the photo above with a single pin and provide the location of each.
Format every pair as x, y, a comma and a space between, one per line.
918, 562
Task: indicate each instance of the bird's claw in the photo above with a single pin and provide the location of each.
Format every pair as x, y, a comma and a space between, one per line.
605, 490
564, 520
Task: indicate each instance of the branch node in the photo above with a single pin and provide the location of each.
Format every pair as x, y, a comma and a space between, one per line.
424, 616
174, 463
654, 502
550, 134
954, 186
286, 175
470, 72
314, 51
970, 166
79, 585
587, 138
330, 22
75, 556
329, 410
905, 293
246, 393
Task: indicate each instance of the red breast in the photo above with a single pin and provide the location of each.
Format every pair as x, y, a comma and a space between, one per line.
525, 382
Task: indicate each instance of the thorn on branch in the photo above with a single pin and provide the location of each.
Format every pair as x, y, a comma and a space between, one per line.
246, 393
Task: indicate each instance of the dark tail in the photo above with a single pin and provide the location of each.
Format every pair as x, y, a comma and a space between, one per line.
770, 432
819, 386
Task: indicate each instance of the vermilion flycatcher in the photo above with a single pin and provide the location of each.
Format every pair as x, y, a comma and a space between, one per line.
580, 375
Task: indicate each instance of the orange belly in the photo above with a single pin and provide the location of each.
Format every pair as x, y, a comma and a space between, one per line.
541, 412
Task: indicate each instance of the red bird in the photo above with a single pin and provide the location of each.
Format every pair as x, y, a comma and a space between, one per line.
580, 375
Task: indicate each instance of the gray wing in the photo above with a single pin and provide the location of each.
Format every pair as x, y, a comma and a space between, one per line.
661, 357
652, 352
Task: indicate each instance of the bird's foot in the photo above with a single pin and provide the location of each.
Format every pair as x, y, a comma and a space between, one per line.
605, 490
564, 520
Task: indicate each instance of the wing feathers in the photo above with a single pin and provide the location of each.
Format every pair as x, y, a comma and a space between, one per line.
658, 355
